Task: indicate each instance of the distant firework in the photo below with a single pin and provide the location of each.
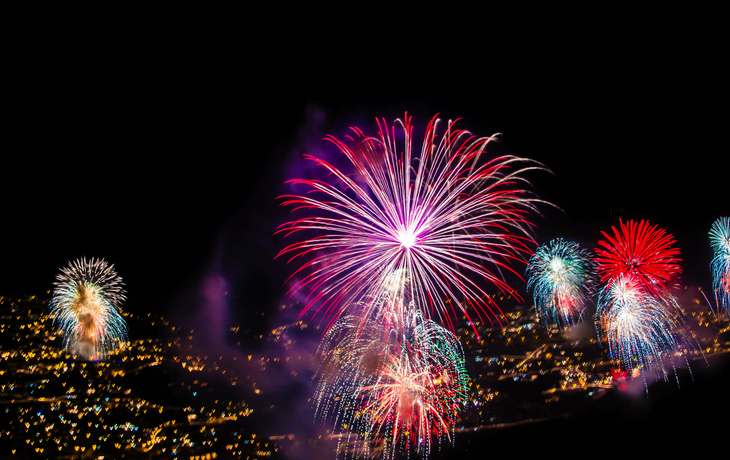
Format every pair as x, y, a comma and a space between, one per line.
619, 377
641, 251
395, 382
561, 276
720, 241
437, 217
642, 329
85, 304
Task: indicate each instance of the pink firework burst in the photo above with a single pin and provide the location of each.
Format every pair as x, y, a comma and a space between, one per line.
443, 219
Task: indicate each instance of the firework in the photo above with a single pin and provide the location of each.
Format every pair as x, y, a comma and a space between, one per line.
720, 241
641, 328
619, 377
395, 382
85, 303
561, 277
438, 218
641, 251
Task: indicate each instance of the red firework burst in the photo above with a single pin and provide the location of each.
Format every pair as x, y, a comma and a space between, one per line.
642, 251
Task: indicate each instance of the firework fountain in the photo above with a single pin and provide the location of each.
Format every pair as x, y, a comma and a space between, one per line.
85, 306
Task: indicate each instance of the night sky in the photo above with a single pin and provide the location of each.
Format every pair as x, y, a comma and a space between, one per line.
164, 155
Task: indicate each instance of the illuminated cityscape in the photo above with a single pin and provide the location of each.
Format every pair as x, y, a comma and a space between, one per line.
154, 397
161, 397
252, 190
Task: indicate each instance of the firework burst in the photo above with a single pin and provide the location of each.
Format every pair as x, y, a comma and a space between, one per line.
85, 303
641, 251
438, 218
720, 241
561, 277
637, 314
642, 329
395, 382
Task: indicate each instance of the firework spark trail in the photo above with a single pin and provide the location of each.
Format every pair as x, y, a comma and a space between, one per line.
561, 276
412, 401
720, 242
637, 314
85, 303
642, 329
642, 251
396, 381
440, 218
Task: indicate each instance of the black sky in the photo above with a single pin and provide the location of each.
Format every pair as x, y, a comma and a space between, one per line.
164, 152
161, 144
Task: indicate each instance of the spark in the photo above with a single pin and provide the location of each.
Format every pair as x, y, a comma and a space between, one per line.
561, 277
394, 382
642, 251
637, 314
85, 305
642, 329
441, 218
720, 242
